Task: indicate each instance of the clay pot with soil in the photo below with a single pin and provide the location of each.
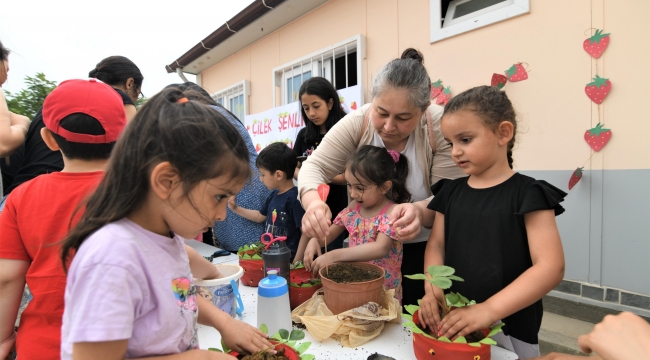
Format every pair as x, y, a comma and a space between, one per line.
250, 258
426, 344
301, 285
350, 285
284, 343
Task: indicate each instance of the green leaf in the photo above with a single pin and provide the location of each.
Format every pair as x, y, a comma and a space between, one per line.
416, 277
444, 339
303, 347
215, 349
307, 357
246, 256
488, 341
464, 299
495, 329
284, 334
460, 340
224, 347
291, 343
454, 277
408, 324
419, 301
296, 335
474, 344
442, 283
277, 336
441, 270
417, 330
256, 257
453, 298
264, 329
411, 309
291, 283
407, 317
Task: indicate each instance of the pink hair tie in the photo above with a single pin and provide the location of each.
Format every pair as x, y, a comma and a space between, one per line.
394, 154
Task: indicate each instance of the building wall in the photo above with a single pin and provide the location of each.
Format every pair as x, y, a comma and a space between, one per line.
606, 229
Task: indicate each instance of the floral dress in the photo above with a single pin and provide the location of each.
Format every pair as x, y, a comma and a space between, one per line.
364, 230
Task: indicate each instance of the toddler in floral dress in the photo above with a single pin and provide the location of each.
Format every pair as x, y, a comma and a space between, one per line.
376, 180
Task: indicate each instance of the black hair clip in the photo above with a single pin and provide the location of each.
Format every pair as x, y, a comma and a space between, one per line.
216, 254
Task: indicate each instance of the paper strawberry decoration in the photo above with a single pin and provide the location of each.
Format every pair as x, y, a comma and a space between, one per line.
353, 106
598, 137
258, 148
445, 96
517, 72
436, 88
598, 89
498, 80
323, 191
274, 215
596, 44
248, 128
575, 177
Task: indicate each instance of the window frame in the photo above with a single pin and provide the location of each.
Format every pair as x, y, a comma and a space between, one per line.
499, 13
232, 91
311, 62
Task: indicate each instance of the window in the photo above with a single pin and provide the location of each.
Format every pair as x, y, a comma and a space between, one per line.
452, 17
339, 63
234, 98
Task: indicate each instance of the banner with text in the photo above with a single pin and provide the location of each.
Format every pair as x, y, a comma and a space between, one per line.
283, 123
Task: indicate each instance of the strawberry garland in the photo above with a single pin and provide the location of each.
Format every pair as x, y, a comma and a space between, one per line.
597, 90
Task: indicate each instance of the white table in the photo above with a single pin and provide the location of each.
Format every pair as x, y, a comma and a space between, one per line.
394, 341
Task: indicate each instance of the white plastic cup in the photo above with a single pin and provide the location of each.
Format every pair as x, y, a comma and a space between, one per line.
219, 291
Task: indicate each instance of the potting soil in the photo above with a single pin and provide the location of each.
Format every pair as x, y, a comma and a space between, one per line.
348, 273
266, 356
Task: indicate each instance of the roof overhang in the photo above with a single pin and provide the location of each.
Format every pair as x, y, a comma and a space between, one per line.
256, 21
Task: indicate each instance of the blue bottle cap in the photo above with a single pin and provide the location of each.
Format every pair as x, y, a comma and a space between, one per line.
273, 285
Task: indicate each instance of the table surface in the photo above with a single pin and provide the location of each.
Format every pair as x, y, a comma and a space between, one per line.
394, 341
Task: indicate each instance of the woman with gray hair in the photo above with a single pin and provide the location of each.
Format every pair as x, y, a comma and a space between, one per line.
402, 118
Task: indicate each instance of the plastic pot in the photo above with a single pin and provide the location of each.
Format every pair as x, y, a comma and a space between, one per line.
289, 352
343, 297
298, 295
426, 348
253, 272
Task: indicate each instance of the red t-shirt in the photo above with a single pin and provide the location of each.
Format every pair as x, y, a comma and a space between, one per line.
35, 219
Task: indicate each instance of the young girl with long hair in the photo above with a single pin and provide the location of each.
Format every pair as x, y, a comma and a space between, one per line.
496, 227
376, 180
169, 178
321, 109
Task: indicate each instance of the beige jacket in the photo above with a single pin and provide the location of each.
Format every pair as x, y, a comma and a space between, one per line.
329, 159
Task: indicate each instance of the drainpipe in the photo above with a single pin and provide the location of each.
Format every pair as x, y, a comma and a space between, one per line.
179, 72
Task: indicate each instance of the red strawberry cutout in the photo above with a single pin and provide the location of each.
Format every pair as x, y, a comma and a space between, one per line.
353, 106
248, 128
436, 88
517, 72
598, 89
598, 137
498, 80
258, 148
596, 44
445, 96
575, 177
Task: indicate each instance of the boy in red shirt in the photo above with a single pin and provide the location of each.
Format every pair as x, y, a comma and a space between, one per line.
83, 119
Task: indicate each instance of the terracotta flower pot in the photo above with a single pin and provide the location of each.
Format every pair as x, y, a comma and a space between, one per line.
253, 272
343, 297
298, 295
425, 348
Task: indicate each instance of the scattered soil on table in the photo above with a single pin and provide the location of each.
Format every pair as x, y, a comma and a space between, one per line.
266, 356
348, 273
300, 326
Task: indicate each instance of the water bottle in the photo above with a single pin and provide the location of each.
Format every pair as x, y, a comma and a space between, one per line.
276, 257
273, 303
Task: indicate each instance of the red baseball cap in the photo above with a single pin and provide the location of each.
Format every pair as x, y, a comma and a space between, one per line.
91, 97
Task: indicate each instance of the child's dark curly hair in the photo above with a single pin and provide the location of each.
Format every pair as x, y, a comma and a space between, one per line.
376, 165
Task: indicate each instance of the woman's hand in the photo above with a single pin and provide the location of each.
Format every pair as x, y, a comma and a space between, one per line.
312, 250
465, 320
429, 313
317, 219
407, 216
618, 337
242, 337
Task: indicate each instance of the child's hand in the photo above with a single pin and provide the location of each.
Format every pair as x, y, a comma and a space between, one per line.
6, 346
465, 320
429, 313
232, 204
312, 249
318, 264
242, 337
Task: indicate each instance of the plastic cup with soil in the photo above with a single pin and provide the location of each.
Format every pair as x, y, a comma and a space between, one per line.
350, 285
426, 343
250, 258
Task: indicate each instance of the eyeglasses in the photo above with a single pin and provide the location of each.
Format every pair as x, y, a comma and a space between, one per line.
141, 96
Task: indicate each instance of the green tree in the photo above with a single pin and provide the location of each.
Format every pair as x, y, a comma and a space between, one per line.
29, 100
141, 101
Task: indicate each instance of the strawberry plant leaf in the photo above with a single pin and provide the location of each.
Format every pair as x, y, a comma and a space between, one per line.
488, 341
441, 270
495, 329
296, 335
474, 344
460, 340
264, 329
303, 347
454, 277
444, 339
411, 309
215, 349
307, 357
416, 277
277, 336
465, 300
453, 298
442, 283
224, 347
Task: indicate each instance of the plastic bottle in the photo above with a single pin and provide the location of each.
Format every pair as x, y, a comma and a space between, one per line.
273, 303
277, 257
